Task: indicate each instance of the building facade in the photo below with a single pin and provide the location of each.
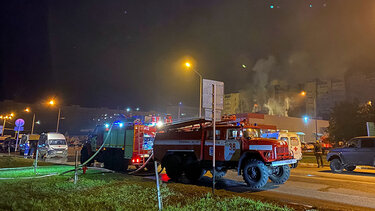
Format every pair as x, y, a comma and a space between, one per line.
324, 94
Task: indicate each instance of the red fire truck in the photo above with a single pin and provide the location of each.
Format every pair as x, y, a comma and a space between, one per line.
128, 141
187, 148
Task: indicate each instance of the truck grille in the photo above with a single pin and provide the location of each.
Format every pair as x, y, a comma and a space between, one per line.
282, 151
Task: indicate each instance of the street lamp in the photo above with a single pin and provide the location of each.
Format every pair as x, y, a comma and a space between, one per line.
4, 122
188, 66
52, 103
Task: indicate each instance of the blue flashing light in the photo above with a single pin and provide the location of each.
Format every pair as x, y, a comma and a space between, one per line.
305, 119
271, 6
274, 135
121, 124
106, 125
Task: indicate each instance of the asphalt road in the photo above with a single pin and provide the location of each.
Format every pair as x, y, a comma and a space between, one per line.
314, 188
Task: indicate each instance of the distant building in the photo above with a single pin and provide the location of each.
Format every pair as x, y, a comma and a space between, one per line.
232, 103
75, 120
360, 86
181, 112
327, 94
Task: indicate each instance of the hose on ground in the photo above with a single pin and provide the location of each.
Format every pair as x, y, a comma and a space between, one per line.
16, 168
36, 177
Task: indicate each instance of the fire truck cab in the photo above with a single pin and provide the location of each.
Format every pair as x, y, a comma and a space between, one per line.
187, 148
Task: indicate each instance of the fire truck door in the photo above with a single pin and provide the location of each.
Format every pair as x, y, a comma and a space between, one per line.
129, 139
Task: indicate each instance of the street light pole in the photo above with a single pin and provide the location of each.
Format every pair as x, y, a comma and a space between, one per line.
200, 92
200, 96
58, 120
2, 132
315, 109
32, 125
188, 65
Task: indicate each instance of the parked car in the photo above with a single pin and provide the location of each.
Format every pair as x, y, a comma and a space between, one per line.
307, 147
27, 142
3, 145
7, 143
358, 151
52, 145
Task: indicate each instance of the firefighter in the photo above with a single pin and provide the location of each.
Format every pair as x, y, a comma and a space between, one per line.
318, 151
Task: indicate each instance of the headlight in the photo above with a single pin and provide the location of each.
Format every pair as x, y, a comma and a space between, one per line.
267, 154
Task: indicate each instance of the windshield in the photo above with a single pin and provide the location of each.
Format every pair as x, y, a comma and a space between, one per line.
251, 133
294, 141
57, 142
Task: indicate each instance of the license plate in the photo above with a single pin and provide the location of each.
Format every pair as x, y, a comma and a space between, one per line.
59, 152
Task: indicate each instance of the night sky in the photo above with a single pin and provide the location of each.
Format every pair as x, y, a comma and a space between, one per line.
129, 53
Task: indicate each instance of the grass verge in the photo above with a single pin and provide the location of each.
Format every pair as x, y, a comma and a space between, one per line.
113, 191
12, 162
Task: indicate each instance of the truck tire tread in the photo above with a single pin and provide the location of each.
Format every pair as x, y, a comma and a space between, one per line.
262, 171
283, 175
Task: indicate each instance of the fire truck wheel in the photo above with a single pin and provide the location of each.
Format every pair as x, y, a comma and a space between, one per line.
280, 174
255, 174
150, 166
173, 167
118, 162
219, 174
194, 171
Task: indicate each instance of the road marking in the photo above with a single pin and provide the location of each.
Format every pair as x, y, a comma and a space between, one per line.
331, 179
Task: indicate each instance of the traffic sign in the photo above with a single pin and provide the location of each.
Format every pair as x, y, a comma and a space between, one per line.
19, 122
207, 94
18, 128
370, 128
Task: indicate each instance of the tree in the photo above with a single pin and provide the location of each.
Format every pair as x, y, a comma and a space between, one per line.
348, 120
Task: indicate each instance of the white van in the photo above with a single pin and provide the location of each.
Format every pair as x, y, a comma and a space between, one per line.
292, 138
52, 145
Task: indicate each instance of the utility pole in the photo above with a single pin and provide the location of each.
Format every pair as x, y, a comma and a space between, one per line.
2, 132
315, 109
32, 125
200, 95
179, 110
58, 121
213, 137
